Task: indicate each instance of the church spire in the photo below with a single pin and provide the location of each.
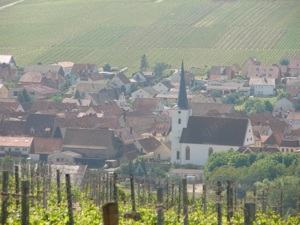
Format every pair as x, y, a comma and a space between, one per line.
182, 96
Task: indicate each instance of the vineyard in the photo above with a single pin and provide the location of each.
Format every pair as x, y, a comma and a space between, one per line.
42, 194
202, 32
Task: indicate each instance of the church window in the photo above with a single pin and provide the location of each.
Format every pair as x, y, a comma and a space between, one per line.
179, 121
177, 155
179, 112
210, 151
187, 153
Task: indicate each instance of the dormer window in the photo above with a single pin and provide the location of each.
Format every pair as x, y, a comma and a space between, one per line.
47, 130
32, 130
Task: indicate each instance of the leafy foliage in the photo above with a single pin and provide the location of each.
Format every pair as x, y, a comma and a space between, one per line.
144, 63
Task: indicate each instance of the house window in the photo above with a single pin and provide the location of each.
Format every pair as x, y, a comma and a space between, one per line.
179, 121
24, 149
187, 153
2, 148
17, 149
177, 155
9, 149
287, 150
179, 112
210, 151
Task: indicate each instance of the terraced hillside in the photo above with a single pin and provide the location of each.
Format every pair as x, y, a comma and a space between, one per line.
118, 32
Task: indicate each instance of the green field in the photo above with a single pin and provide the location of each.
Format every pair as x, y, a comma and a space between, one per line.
118, 32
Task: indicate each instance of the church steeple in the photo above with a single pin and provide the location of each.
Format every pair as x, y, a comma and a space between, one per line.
182, 96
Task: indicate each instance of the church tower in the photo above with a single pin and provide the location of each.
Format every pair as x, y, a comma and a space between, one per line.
180, 117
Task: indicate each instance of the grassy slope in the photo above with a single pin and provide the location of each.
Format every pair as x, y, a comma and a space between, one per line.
118, 32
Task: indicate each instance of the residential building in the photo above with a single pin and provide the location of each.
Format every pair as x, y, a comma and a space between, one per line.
264, 72
4, 93
221, 72
263, 87
251, 61
122, 82
16, 146
294, 67
146, 92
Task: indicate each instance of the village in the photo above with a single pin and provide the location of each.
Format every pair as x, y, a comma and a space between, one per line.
78, 114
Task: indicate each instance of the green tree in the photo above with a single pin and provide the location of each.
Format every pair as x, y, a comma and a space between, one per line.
144, 63
159, 68
284, 62
107, 67
57, 98
268, 106
215, 93
77, 95
20, 97
26, 96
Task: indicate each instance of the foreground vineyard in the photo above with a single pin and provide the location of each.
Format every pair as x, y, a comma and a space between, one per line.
48, 200
202, 32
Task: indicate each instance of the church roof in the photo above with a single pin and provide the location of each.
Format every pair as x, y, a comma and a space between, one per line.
215, 131
182, 96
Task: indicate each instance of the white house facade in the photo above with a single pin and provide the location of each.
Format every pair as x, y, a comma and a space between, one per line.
262, 86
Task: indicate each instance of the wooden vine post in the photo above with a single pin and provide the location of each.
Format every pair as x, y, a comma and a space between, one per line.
229, 201
159, 206
4, 212
185, 202
132, 193
25, 203
58, 186
218, 204
69, 198
110, 213
249, 213
17, 185
115, 188
204, 198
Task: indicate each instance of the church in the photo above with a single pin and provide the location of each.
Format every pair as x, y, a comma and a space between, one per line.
194, 138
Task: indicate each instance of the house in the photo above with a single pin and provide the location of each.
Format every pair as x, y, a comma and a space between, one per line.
11, 107
283, 107
63, 158
140, 78
41, 125
221, 72
228, 86
90, 88
43, 147
148, 105
294, 67
4, 93
53, 75
82, 70
16, 146
7, 59
129, 156
67, 67
146, 92
104, 96
293, 119
8, 72
147, 145
95, 145
293, 87
122, 82
236, 69
264, 72
37, 90
163, 87
32, 78
175, 78
263, 87
251, 61
163, 152
194, 138
12, 127
203, 98
289, 146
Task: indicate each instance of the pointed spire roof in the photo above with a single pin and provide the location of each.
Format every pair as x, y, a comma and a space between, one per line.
182, 96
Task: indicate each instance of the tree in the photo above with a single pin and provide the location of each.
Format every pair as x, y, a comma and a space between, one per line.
215, 93
77, 95
107, 67
144, 63
123, 89
284, 62
23, 96
159, 68
268, 106
26, 96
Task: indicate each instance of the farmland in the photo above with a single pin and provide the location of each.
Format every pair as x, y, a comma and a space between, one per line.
202, 32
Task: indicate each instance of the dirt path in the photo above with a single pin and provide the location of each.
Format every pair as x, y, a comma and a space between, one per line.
11, 4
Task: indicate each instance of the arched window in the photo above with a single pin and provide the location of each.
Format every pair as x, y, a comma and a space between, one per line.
187, 153
210, 151
179, 121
